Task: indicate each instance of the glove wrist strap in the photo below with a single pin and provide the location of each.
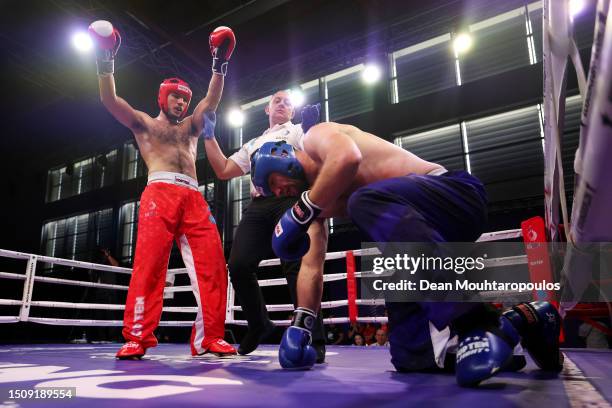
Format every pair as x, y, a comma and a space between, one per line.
305, 211
306, 198
304, 318
219, 66
105, 67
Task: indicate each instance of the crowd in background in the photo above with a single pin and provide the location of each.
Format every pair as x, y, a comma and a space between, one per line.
358, 334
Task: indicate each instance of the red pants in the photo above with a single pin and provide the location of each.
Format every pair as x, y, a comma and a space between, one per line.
175, 210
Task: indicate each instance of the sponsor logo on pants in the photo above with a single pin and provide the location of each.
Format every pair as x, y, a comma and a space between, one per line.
139, 308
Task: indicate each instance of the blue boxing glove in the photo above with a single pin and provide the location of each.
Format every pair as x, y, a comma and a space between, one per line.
539, 325
310, 116
290, 240
295, 351
483, 353
485, 345
210, 121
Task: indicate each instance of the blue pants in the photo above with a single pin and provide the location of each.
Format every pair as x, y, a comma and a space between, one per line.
413, 208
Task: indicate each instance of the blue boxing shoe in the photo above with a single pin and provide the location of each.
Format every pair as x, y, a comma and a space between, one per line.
539, 325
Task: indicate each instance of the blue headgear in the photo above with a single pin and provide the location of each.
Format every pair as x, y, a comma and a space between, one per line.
274, 157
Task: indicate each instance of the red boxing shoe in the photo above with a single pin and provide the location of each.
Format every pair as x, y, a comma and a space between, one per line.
219, 348
131, 351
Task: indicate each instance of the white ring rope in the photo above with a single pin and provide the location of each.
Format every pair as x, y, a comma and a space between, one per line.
26, 303
91, 322
65, 262
324, 305
9, 275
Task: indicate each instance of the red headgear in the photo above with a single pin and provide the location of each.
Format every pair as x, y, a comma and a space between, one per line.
173, 85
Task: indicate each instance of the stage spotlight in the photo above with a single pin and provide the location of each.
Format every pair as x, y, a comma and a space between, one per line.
370, 74
576, 7
82, 42
235, 118
462, 43
297, 97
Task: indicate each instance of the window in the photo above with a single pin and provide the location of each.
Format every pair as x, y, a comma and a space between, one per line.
81, 177
76, 237
128, 218
584, 25
80, 181
421, 69
133, 164
201, 150
105, 166
506, 153
255, 122
505, 42
498, 44
571, 137
55, 182
345, 95
208, 192
533, 21
311, 97
240, 193
443, 146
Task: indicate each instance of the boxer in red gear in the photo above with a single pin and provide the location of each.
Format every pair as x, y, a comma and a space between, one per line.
171, 207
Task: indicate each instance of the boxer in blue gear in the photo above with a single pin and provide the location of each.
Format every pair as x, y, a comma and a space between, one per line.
392, 196
274, 157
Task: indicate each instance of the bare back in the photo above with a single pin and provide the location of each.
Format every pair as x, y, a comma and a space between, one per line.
380, 160
168, 147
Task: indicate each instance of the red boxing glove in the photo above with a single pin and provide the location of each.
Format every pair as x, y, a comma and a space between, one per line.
107, 41
222, 42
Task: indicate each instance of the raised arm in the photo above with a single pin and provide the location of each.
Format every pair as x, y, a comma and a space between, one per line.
223, 167
222, 43
107, 41
117, 106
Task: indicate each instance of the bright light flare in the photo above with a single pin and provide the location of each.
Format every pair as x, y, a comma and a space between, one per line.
82, 42
576, 7
235, 118
370, 74
297, 97
462, 43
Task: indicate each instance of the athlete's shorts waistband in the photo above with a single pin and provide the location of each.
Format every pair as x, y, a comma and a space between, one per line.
437, 172
172, 178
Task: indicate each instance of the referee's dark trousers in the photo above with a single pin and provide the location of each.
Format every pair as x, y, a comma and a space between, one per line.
252, 244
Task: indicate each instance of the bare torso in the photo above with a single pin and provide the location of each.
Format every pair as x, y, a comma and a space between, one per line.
380, 160
168, 147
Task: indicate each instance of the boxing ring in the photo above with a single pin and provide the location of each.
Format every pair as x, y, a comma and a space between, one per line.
352, 375
29, 279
